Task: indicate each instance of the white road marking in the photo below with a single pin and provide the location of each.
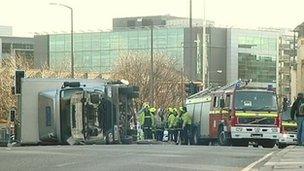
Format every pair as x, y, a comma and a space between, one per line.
65, 164
283, 163
249, 167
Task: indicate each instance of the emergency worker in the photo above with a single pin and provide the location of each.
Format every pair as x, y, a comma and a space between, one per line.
147, 122
153, 114
297, 110
178, 125
186, 125
171, 124
159, 125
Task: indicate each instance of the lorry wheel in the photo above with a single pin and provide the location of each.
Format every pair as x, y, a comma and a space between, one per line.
110, 138
268, 143
194, 139
240, 143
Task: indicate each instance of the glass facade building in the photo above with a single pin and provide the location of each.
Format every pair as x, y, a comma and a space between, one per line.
236, 53
17, 47
252, 55
98, 51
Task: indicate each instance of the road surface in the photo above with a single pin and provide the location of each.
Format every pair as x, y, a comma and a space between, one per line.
129, 157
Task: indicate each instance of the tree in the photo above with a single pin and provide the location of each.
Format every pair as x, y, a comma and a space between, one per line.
168, 80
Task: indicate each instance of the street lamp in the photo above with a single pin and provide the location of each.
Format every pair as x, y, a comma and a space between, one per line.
152, 98
72, 38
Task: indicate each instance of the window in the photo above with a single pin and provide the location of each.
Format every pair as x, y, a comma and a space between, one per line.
228, 101
245, 46
48, 116
131, 23
215, 102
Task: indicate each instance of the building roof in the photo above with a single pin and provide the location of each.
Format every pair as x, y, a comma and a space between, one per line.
152, 16
299, 27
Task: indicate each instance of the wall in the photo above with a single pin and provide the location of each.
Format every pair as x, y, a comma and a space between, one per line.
217, 55
41, 51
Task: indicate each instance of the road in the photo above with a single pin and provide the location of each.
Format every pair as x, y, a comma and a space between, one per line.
129, 157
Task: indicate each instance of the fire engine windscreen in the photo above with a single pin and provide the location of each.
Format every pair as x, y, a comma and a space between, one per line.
251, 103
255, 101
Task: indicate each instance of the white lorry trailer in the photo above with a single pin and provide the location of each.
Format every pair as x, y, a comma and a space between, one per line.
61, 111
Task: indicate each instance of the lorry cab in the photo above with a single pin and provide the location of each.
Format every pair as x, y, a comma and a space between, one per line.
86, 117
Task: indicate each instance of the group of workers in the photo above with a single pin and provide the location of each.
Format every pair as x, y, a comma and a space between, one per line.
176, 121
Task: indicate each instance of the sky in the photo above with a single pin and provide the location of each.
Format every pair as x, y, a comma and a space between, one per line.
36, 16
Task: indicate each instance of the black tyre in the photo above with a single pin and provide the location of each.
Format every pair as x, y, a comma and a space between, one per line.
110, 138
268, 143
194, 138
281, 146
223, 138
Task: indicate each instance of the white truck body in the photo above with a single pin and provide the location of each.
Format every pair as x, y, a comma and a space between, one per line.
28, 104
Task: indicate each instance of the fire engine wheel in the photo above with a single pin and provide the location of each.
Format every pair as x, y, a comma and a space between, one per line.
268, 143
222, 138
281, 145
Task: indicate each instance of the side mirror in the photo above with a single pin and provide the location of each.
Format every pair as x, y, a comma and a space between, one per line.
222, 103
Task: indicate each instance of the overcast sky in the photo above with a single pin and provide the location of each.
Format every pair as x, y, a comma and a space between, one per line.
29, 16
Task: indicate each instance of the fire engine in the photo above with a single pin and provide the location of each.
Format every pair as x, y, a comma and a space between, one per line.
235, 114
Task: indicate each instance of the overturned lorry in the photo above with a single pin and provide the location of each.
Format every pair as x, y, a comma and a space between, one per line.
57, 111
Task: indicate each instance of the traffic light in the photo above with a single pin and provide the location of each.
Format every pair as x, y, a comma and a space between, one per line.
18, 76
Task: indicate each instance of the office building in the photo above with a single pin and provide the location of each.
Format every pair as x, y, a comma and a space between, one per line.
206, 53
252, 55
17, 47
6, 31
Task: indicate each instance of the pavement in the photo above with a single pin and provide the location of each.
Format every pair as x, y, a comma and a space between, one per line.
291, 158
130, 157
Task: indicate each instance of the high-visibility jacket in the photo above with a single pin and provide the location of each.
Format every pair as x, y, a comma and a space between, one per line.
187, 120
178, 121
146, 118
171, 120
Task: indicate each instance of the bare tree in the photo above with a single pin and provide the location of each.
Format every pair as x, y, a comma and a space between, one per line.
168, 80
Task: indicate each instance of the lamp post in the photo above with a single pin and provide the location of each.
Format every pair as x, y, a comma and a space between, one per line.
191, 41
152, 94
72, 36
